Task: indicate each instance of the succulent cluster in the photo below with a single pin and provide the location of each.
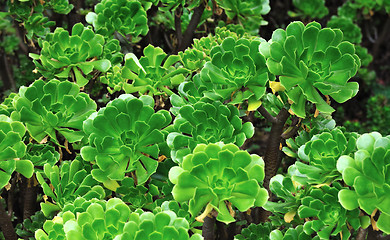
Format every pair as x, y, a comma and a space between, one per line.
206, 123
310, 9
125, 17
218, 177
124, 137
48, 108
367, 172
63, 55
309, 61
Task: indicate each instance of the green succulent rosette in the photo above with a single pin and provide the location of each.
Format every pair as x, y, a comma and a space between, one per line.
326, 217
236, 72
71, 180
218, 177
77, 55
367, 172
40, 154
48, 108
319, 156
255, 232
309, 61
161, 225
139, 196
6, 107
12, 148
87, 219
248, 13
309, 9
125, 17
154, 73
292, 234
206, 123
124, 137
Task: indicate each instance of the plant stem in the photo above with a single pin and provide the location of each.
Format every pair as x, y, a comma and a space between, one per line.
272, 155
189, 33
6, 225
208, 228
179, 34
362, 233
30, 196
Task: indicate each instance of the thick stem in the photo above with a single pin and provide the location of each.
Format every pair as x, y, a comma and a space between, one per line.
272, 154
189, 33
221, 230
179, 34
208, 228
362, 233
30, 196
6, 225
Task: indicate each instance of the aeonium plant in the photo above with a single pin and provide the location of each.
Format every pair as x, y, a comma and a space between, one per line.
53, 108
219, 177
311, 61
124, 137
367, 172
206, 123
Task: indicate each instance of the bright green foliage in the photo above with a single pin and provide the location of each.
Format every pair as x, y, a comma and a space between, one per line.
124, 137
87, 219
37, 25
125, 17
248, 13
321, 154
310, 9
30, 225
12, 148
40, 154
327, 216
6, 107
60, 6
236, 72
181, 210
215, 175
291, 234
367, 172
80, 53
255, 232
162, 225
154, 73
114, 79
71, 180
138, 196
351, 31
206, 123
310, 60
53, 107
290, 194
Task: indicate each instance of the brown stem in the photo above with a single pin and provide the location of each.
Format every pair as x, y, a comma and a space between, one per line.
208, 228
30, 196
179, 34
6, 225
9, 83
362, 233
189, 33
10, 200
221, 230
272, 155
266, 114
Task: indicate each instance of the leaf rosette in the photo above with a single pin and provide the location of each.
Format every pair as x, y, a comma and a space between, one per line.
80, 54
12, 148
71, 180
87, 219
161, 225
125, 17
124, 137
309, 61
53, 107
219, 176
321, 154
310, 9
40, 154
206, 123
291, 234
154, 73
325, 214
236, 72
368, 173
